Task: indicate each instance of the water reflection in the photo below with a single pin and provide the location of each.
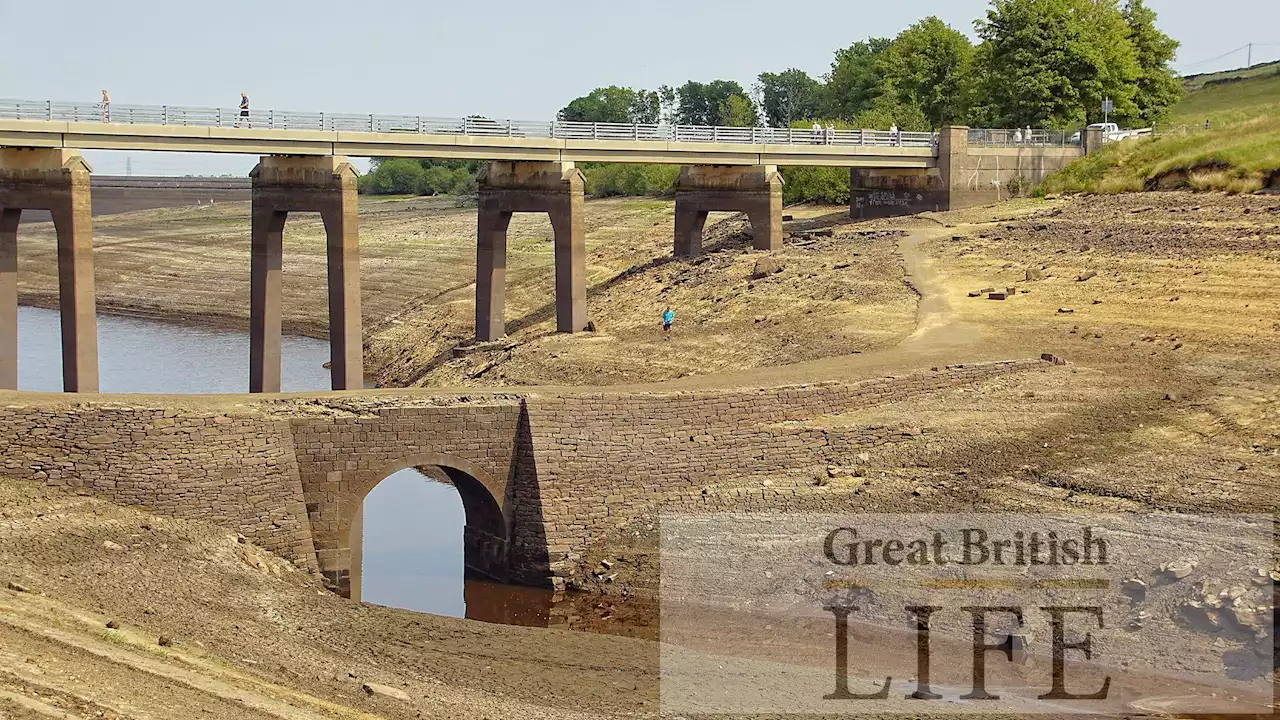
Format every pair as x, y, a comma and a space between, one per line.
413, 545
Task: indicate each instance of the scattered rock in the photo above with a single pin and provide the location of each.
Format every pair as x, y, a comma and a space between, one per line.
997, 296
385, 691
165, 641
1170, 396
591, 326
16, 587
241, 539
975, 293
1011, 291
1095, 301
113, 625
1180, 568
1034, 273
112, 545
1065, 311
987, 290
328, 364
1084, 276
786, 218
1050, 357
606, 564
1135, 588
765, 267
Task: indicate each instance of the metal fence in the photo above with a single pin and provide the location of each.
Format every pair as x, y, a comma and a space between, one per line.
420, 124
1035, 137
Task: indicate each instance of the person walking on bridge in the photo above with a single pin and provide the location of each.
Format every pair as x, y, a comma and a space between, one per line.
668, 317
106, 106
244, 111
817, 133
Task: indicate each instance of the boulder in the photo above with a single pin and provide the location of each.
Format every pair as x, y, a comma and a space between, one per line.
765, 267
1084, 276
1034, 273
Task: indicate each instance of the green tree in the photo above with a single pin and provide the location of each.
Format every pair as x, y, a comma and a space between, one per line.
1052, 62
613, 104
394, 176
929, 66
1158, 86
854, 81
700, 103
788, 96
738, 111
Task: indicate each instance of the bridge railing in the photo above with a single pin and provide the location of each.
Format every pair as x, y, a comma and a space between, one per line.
1037, 137
116, 113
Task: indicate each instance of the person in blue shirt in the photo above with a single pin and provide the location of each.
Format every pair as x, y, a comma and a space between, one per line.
668, 317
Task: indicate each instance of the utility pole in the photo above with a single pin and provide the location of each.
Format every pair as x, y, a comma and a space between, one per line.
1250, 56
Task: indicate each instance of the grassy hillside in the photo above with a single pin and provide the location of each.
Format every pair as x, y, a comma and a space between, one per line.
1240, 152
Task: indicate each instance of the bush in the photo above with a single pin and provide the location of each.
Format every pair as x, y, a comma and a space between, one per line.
815, 184
629, 180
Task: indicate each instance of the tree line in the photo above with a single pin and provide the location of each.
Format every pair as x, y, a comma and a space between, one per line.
1043, 63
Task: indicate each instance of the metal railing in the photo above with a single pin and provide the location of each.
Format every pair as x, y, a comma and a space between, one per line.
477, 126
1037, 137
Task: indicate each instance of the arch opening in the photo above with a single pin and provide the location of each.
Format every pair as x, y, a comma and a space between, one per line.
420, 533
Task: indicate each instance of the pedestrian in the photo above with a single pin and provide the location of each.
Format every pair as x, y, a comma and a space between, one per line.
1206, 123
817, 133
1017, 136
831, 133
106, 106
668, 317
1027, 135
893, 134
244, 110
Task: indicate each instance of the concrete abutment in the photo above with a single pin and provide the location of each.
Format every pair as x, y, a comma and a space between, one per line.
55, 180
753, 190
326, 185
965, 176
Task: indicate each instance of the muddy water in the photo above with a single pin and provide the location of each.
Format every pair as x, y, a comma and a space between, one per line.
413, 525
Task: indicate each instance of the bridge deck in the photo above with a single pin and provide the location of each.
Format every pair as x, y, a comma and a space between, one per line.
266, 141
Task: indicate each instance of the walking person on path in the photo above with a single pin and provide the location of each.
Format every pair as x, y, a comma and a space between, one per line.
668, 317
106, 107
244, 111
817, 133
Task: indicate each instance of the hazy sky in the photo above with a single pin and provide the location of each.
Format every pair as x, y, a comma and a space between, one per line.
498, 58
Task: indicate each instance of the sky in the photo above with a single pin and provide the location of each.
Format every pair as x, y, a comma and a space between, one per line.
500, 58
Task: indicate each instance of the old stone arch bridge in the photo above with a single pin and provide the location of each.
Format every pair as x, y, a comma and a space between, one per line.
541, 474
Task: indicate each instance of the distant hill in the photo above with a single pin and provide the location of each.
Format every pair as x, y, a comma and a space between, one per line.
1196, 82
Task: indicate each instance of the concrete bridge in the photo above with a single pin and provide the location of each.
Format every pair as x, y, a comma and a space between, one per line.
304, 169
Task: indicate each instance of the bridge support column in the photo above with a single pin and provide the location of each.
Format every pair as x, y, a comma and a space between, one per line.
56, 180
754, 190
326, 185
512, 187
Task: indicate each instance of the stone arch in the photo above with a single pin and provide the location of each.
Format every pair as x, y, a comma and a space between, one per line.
486, 533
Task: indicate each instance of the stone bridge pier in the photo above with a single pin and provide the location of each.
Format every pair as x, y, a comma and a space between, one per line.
326, 185
555, 188
58, 181
754, 190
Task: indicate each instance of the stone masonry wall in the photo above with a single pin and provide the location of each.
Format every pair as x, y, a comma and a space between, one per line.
601, 459
235, 471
